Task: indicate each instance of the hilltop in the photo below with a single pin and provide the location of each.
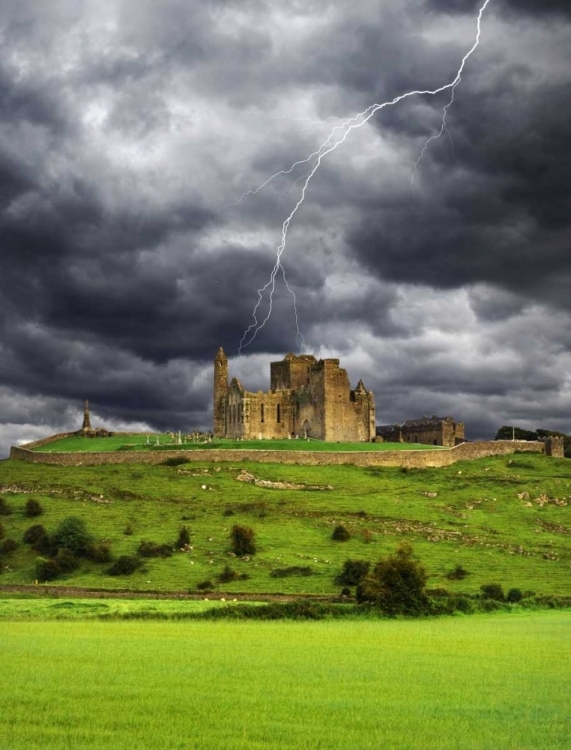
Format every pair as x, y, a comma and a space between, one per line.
503, 519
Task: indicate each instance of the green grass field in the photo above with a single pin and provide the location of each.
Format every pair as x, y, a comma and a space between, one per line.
468, 514
485, 682
78, 444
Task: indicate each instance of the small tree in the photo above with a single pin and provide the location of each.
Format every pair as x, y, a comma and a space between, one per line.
183, 538
493, 591
242, 538
340, 534
72, 534
47, 570
397, 584
353, 572
33, 508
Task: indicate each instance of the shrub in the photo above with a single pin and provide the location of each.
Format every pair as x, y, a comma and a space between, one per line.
73, 535
33, 508
34, 533
99, 553
128, 530
183, 537
228, 512
8, 546
152, 549
205, 586
242, 538
47, 570
124, 566
345, 591
340, 534
175, 461
353, 572
66, 560
493, 591
5, 509
458, 574
294, 570
396, 585
228, 575
514, 595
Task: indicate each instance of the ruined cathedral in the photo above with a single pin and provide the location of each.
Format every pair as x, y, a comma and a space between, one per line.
307, 398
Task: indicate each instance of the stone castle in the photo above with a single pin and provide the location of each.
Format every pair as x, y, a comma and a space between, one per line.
307, 398
434, 430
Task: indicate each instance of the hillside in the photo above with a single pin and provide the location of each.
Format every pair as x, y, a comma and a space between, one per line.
505, 520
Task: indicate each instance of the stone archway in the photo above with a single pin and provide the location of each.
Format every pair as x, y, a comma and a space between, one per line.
306, 428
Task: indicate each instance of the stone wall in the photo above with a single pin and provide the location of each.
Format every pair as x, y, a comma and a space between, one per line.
413, 459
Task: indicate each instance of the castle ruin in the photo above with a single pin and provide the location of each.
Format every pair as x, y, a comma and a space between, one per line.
307, 398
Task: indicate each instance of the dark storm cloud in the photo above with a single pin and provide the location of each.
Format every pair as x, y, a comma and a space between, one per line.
499, 213
520, 7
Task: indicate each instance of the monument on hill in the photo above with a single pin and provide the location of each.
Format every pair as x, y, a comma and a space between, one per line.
307, 398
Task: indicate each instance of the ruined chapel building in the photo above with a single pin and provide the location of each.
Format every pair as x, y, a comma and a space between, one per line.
428, 430
307, 398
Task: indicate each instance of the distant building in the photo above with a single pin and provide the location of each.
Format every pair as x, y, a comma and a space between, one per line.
428, 431
307, 398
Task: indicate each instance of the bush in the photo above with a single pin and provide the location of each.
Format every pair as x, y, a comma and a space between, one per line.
47, 570
175, 461
128, 530
353, 572
340, 534
183, 538
228, 575
8, 546
5, 509
493, 591
2, 531
397, 585
514, 595
294, 570
152, 549
458, 574
66, 560
99, 553
124, 566
33, 508
73, 535
34, 533
242, 538
205, 586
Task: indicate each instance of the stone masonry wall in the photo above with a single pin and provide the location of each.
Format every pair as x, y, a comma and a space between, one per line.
413, 459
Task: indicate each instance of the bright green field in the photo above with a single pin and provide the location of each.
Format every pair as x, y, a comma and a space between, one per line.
139, 442
467, 514
485, 682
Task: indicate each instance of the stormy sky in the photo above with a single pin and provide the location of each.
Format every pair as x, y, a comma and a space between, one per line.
129, 132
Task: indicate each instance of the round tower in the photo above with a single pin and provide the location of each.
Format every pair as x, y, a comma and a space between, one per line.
220, 392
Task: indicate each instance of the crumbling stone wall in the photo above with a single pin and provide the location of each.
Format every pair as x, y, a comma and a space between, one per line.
414, 459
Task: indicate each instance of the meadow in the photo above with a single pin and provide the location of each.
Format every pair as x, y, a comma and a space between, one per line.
80, 444
504, 520
486, 681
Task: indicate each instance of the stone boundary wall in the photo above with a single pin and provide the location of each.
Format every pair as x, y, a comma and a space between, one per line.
413, 458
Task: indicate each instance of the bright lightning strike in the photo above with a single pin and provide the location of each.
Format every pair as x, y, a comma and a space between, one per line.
336, 137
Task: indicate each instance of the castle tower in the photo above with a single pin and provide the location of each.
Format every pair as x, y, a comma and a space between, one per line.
86, 426
220, 392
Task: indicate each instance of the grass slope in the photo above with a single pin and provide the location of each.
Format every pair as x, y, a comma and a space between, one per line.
468, 514
78, 444
482, 682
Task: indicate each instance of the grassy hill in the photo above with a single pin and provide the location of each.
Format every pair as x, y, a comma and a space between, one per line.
504, 520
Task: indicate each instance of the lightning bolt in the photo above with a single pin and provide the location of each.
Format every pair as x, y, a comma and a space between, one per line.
338, 135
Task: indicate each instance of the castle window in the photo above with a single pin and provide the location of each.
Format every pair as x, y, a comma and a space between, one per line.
278, 414
262, 413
